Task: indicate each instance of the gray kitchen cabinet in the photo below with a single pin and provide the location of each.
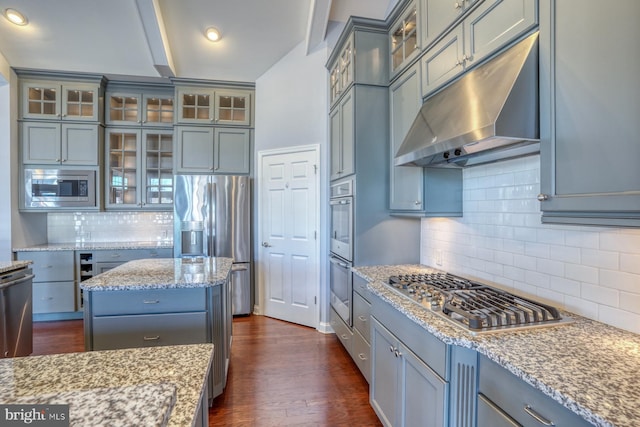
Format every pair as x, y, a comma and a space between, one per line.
505, 397
341, 122
405, 391
589, 113
360, 57
406, 189
69, 144
60, 100
437, 16
54, 284
417, 191
214, 106
361, 347
139, 168
486, 29
201, 149
404, 37
151, 107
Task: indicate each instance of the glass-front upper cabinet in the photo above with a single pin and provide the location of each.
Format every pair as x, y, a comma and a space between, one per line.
341, 74
214, 106
60, 101
139, 168
157, 168
404, 38
146, 109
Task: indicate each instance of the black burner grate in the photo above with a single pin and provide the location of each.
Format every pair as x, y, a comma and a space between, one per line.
441, 281
486, 307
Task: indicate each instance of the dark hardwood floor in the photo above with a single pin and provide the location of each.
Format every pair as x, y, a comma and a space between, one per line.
281, 374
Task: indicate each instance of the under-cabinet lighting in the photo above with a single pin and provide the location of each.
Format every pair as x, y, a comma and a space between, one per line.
212, 34
15, 17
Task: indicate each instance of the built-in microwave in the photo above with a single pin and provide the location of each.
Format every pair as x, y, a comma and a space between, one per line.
59, 188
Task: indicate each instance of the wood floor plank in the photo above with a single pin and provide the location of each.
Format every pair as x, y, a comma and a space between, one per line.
280, 374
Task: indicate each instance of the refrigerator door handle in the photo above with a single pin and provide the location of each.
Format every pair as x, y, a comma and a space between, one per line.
212, 219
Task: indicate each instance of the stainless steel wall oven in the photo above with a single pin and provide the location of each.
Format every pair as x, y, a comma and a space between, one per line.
341, 246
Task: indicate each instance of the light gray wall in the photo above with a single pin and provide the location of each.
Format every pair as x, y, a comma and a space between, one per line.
291, 110
16, 229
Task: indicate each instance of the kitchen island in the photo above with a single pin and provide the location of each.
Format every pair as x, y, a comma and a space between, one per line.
588, 367
157, 302
143, 386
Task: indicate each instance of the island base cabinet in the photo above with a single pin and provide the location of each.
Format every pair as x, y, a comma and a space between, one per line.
115, 332
404, 391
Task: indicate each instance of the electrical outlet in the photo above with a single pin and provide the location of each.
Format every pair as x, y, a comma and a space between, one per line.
438, 256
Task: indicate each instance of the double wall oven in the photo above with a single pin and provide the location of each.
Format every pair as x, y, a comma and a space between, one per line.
341, 247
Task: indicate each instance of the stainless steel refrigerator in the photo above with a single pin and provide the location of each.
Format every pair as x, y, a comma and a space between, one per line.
212, 217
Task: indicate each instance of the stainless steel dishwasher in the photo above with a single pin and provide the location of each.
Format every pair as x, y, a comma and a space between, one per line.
16, 327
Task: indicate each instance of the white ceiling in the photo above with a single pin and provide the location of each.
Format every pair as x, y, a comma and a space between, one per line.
153, 38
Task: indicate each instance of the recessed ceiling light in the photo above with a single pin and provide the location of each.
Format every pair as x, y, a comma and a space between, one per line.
15, 17
212, 34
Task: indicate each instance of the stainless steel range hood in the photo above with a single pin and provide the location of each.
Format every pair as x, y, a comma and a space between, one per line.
489, 114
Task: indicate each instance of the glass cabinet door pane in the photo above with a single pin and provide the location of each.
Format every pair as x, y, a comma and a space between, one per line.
79, 103
123, 108
159, 110
42, 100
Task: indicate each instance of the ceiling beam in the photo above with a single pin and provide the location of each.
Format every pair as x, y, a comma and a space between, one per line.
317, 25
156, 36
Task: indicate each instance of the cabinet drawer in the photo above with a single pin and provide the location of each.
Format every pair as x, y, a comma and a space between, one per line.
425, 345
520, 400
342, 331
360, 286
50, 266
361, 314
109, 303
362, 355
124, 255
149, 330
53, 297
489, 415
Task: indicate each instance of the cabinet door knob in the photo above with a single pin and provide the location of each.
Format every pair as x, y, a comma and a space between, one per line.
458, 5
543, 197
417, 203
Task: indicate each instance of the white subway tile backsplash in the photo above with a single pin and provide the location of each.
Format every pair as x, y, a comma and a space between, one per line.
581, 273
630, 263
110, 227
600, 295
592, 271
600, 259
620, 280
621, 318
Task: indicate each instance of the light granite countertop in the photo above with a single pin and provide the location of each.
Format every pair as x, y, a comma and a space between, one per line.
76, 246
9, 266
161, 273
589, 367
153, 386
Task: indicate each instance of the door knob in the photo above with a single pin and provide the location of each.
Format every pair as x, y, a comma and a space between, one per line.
266, 244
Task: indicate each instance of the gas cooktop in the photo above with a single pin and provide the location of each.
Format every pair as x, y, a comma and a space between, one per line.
476, 307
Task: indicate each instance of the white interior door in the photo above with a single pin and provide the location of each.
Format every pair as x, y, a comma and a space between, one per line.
288, 218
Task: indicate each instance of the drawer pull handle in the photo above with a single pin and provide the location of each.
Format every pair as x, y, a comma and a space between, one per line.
398, 353
362, 356
150, 301
362, 318
153, 338
391, 348
539, 418
344, 336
